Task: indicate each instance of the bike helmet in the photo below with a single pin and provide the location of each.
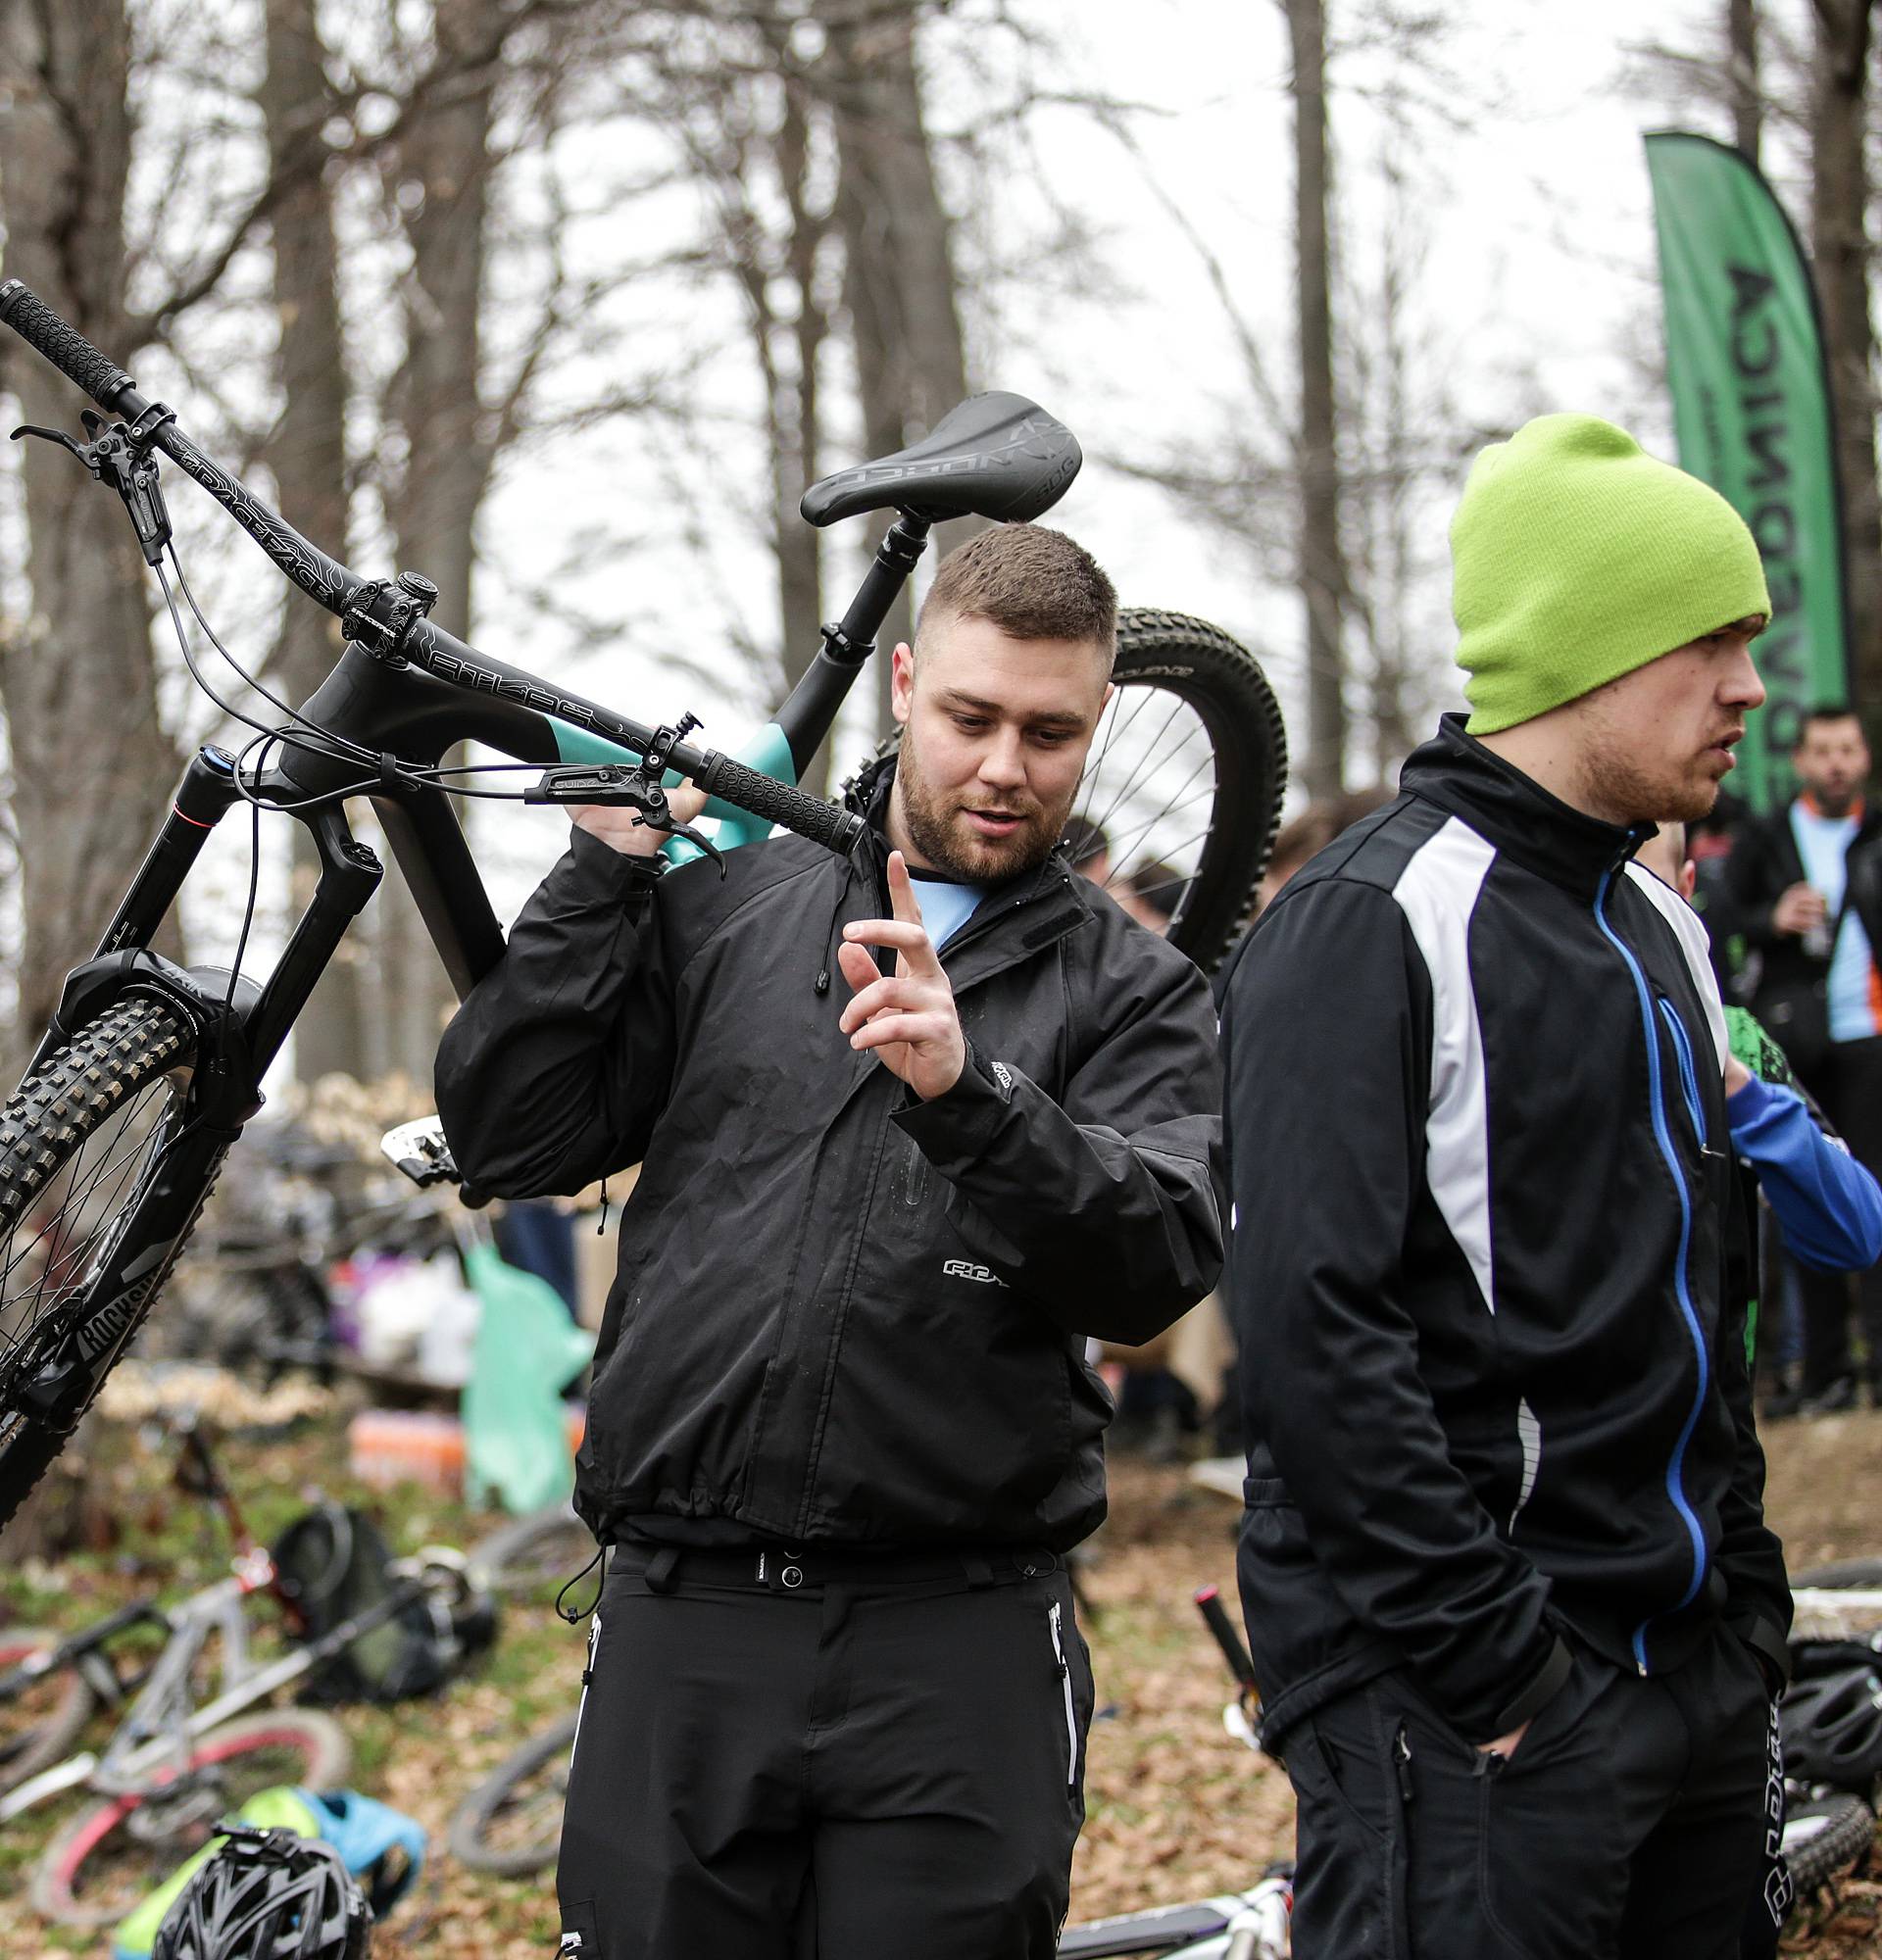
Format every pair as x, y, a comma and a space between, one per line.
267, 1895
1832, 1726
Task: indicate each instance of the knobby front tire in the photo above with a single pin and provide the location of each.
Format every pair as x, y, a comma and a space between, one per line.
79, 1144
1824, 1837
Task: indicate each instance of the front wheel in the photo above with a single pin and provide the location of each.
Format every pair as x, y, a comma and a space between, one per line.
81, 1146
113, 1853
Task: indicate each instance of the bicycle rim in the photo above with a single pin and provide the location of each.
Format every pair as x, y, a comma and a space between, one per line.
512, 1824
1181, 794
79, 1144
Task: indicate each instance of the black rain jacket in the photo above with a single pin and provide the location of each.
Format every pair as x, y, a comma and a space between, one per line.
1484, 1270
843, 1314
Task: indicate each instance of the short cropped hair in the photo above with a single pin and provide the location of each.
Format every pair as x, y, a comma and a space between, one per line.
1031, 582
1823, 712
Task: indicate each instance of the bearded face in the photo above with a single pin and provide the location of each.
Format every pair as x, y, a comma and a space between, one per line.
994, 736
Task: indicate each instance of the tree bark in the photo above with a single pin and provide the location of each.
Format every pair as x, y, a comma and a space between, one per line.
443, 180
93, 769
307, 453
1322, 566
898, 279
1748, 104
1839, 186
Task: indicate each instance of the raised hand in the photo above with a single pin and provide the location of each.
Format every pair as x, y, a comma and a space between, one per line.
908, 1017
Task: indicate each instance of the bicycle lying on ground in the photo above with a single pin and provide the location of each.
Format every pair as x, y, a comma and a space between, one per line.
192, 1737
149, 1072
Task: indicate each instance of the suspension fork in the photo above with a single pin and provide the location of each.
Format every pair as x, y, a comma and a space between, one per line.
202, 798
349, 875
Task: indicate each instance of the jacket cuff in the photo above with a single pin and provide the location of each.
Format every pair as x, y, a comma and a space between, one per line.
961, 1120
1749, 1101
603, 864
1770, 1649
1542, 1687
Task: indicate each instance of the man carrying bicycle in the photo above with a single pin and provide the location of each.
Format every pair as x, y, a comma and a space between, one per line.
1510, 1593
842, 1433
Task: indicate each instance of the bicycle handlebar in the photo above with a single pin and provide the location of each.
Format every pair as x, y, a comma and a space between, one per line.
429, 646
63, 346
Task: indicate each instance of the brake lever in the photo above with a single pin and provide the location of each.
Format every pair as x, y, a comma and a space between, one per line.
120, 456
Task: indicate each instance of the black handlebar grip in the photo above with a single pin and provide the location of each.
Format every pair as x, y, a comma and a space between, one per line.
765, 796
1209, 1602
63, 346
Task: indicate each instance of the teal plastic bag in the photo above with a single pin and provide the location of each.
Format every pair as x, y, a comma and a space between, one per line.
516, 1438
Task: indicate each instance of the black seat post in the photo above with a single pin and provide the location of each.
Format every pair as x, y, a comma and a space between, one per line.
852, 640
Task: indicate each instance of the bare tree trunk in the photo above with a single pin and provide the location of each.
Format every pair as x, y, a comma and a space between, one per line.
442, 185
308, 452
93, 769
1322, 573
899, 280
1839, 185
1748, 104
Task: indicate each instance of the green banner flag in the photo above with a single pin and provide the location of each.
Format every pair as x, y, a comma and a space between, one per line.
1752, 406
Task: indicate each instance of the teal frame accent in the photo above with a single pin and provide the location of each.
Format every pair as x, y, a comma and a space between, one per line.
768, 752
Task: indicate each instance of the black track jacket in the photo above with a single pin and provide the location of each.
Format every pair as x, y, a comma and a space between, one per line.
843, 1314
1494, 1363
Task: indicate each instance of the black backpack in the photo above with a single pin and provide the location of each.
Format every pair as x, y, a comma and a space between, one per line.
333, 1563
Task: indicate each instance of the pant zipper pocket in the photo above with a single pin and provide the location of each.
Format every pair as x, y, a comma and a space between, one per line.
1064, 1683
587, 1681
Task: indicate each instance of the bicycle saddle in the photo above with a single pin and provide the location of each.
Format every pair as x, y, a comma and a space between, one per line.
995, 456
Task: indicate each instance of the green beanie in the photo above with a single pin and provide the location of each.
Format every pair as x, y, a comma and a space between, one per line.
1576, 557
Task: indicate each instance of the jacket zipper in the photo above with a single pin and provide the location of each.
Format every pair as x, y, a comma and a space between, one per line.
1656, 1096
1688, 1076
1064, 1683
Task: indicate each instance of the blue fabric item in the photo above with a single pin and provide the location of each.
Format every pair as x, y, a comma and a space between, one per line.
1823, 842
534, 1237
363, 1830
946, 905
1829, 1206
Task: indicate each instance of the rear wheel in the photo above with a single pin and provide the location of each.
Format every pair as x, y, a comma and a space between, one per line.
548, 1547
102, 1863
40, 1715
1184, 781
79, 1146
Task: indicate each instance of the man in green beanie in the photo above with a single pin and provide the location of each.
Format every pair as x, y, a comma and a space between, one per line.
1513, 1607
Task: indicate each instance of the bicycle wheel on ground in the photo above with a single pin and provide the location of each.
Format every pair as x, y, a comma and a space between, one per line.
548, 1547
1184, 780
510, 1824
79, 1144
103, 1862
1839, 1602
1823, 1837
42, 1715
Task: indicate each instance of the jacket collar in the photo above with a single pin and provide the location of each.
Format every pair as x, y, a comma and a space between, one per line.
1514, 811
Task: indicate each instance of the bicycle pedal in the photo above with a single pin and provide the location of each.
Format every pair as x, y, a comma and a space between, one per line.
419, 1148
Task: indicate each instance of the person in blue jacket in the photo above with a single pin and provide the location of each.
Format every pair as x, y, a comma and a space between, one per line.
1828, 1205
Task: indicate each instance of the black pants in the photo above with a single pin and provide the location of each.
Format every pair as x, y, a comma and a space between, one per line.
1630, 1822
843, 1766
1849, 1085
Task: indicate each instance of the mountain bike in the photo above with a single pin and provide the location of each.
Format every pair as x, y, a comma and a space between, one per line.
150, 1071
